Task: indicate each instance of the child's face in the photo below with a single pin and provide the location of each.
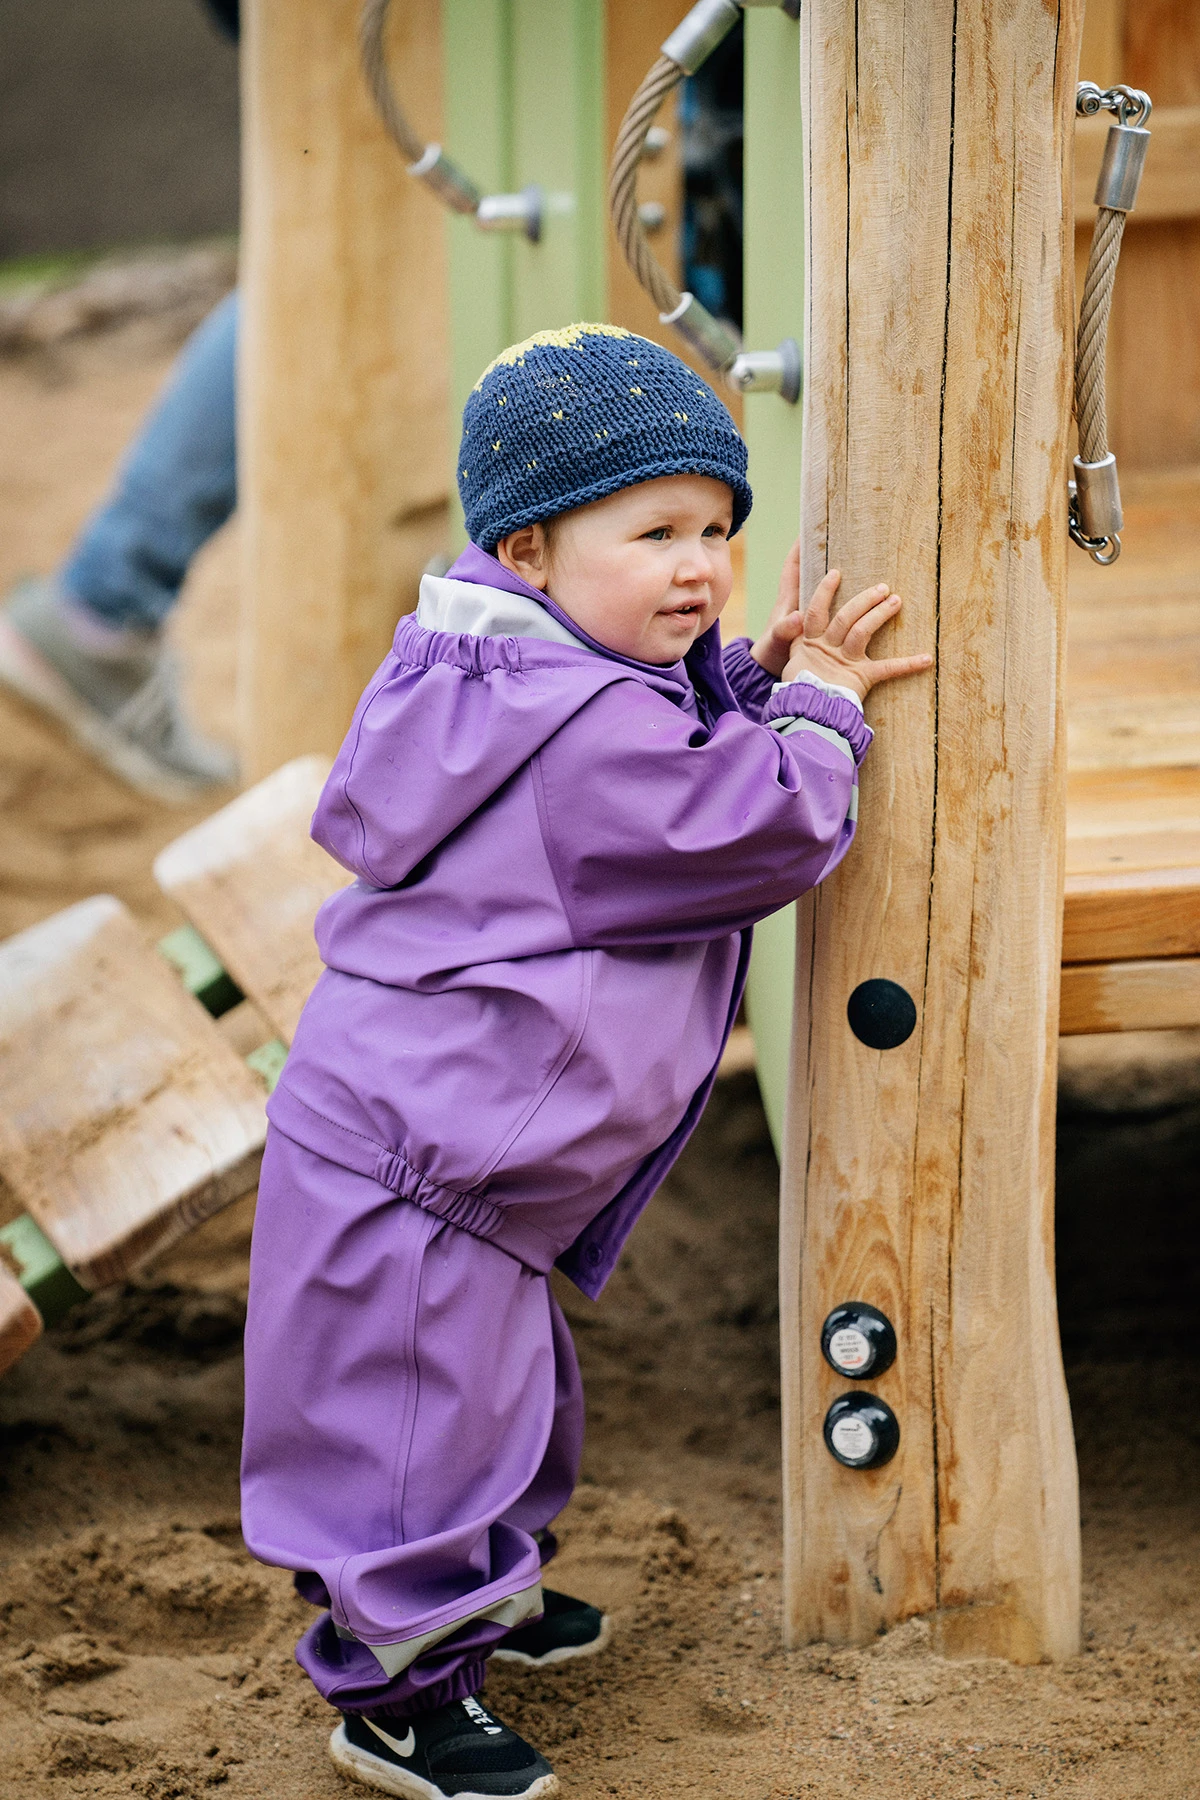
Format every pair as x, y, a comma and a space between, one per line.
644, 571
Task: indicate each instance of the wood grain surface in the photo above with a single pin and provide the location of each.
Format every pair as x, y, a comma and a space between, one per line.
125, 1118
1152, 994
920, 1179
250, 879
343, 464
20, 1321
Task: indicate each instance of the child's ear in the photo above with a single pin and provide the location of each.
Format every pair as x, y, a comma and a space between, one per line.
524, 553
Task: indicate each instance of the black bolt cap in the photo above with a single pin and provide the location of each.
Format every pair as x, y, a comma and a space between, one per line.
861, 1432
881, 1014
858, 1341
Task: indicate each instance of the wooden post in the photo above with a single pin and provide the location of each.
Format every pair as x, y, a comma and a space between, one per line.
343, 465
920, 1178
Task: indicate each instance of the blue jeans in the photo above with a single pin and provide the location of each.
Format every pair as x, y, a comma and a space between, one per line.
176, 487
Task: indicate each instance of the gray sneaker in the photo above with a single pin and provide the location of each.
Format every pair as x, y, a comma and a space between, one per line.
124, 708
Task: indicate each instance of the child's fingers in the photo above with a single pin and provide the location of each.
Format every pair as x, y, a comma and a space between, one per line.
816, 618
855, 642
849, 614
789, 585
892, 668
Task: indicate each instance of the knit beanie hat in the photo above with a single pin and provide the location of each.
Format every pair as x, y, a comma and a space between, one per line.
574, 414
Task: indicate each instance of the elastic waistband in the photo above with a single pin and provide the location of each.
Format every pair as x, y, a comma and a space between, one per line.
363, 1155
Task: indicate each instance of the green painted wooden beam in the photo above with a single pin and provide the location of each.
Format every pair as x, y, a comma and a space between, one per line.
200, 970
41, 1270
773, 277
524, 87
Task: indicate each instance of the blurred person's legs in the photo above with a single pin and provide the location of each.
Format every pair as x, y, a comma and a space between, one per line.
87, 643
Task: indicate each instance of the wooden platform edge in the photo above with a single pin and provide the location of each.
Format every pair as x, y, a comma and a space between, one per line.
1151, 994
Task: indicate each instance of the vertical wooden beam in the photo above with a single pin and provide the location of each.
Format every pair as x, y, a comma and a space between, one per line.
343, 473
920, 1178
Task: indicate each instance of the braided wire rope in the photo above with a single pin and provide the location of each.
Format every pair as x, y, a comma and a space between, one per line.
1091, 341
371, 23
622, 183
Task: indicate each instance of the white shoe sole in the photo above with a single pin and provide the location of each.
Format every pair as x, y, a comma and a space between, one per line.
376, 1772
566, 1653
29, 674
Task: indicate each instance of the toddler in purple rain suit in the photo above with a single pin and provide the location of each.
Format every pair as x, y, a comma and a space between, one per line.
565, 806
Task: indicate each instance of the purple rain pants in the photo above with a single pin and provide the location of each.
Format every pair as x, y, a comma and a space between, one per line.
414, 1416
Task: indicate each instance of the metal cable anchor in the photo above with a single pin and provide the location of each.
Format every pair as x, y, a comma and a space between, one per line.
779, 371
1094, 516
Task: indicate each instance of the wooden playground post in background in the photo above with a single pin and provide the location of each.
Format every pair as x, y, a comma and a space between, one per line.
939, 347
343, 378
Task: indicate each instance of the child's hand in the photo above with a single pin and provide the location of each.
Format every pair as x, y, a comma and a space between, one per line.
834, 648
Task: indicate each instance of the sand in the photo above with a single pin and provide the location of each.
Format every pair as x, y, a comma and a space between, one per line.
142, 1651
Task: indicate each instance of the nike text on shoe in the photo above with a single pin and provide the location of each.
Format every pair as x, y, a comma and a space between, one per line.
459, 1752
568, 1628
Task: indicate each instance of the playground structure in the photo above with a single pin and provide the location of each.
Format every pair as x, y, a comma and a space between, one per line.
936, 448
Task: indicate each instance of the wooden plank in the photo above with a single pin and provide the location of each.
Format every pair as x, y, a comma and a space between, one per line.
1102, 50
1171, 184
1154, 358
1133, 864
1133, 661
250, 879
343, 460
1142, 912
1155, 994
1161, 50
921, 1178
20, 1321
125, 1118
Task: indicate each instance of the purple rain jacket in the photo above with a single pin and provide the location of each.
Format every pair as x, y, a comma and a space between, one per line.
559, 856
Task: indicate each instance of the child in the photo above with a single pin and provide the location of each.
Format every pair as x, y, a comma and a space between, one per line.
565, 808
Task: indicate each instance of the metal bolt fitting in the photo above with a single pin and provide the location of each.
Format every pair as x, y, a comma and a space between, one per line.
1121, 171
777, 371
716, 343
513, 212
446, 179
697, 35
1098, 497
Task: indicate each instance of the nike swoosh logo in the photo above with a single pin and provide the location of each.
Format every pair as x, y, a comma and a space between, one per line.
402, 1746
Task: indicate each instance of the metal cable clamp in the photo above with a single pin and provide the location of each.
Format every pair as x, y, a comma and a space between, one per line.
692, 41
1094, 516
428, 162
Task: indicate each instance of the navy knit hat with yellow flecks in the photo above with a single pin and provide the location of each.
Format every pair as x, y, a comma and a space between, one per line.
571, 415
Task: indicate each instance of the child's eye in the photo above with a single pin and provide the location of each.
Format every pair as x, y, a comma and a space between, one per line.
659, 534
713, 531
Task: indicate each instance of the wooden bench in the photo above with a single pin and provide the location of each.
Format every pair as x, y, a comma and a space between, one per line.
250, 880
125, 1116
1131, 917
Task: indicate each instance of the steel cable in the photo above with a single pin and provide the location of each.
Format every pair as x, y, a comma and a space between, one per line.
1092, 339
371, 23
622, 184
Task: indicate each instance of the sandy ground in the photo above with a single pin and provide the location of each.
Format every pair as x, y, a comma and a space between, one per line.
142, 1652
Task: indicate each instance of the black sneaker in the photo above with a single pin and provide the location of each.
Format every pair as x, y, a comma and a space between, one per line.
459, 1751
566, 1629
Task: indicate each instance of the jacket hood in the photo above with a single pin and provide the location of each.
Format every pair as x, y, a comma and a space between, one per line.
477, 681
